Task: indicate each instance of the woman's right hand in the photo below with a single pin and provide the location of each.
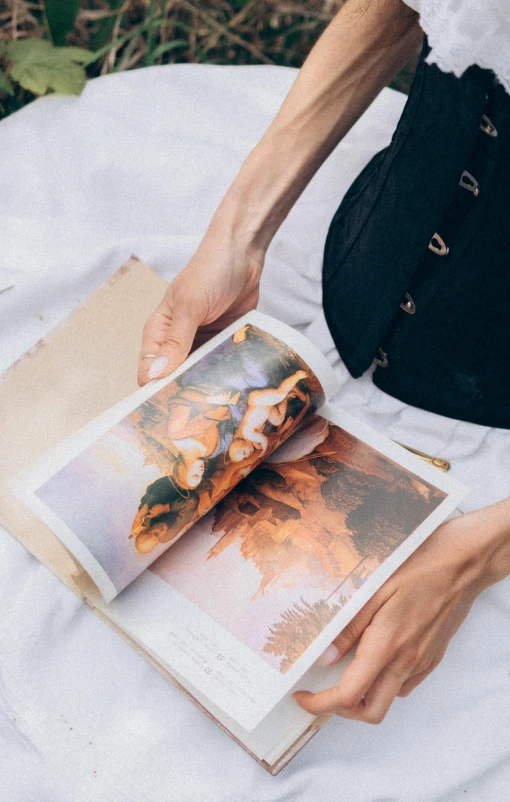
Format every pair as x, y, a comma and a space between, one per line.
218, 285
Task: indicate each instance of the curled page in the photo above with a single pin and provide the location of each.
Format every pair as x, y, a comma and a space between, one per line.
130, 483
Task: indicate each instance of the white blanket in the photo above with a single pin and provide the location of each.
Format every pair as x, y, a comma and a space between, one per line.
138, 164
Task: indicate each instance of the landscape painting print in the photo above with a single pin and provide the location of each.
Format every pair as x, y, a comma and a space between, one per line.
283, 552
138, 487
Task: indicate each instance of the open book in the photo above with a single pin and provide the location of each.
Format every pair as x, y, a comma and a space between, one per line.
230, 522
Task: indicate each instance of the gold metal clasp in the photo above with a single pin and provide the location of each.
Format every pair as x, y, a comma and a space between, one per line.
437, 462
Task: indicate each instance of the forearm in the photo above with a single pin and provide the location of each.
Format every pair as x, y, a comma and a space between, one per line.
364, 46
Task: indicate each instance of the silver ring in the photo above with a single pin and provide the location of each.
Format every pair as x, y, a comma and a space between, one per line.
149, 356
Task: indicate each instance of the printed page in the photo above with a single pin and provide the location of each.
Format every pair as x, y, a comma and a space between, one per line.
128, 485
246, 602
286, 722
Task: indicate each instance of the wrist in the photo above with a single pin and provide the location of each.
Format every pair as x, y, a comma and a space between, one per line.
488, 544
268, 184
226, 261
233, 228
251, 211
498, 534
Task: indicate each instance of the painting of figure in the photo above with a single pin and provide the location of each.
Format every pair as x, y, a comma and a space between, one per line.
213, 424
170, 460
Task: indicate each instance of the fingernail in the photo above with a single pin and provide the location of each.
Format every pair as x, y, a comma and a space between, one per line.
329, 655
158, 367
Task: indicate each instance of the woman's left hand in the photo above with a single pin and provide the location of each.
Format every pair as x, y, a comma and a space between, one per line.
406, 626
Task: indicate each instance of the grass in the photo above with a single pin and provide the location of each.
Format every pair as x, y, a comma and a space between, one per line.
128, 34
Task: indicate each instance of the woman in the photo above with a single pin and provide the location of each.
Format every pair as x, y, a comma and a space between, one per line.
264, 406
415, 276
194, 418
162, 513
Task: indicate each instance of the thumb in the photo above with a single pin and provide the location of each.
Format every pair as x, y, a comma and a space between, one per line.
168, 336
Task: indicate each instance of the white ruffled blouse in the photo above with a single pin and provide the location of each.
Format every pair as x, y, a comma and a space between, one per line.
466, 32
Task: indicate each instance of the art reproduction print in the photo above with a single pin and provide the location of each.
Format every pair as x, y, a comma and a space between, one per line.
142, 484
284, 551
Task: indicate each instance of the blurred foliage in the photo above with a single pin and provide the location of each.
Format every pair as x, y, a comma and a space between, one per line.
40, 67
126, 34
61, 17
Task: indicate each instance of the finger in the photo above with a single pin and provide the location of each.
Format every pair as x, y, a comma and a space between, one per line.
352, 632
377, 701
344, 642
374, 705
413, 682
372, 657
168, 334
379, 697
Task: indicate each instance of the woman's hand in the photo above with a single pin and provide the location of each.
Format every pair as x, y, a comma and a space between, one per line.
219, 284
405, 628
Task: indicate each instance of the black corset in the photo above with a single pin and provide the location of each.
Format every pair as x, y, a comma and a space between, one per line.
416, 269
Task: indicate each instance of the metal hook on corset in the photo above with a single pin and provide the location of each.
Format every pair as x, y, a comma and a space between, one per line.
438, 245
381, 358
487, 126
408, 305
469, 182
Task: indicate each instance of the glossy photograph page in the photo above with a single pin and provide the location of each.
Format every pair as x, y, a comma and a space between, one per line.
128, 485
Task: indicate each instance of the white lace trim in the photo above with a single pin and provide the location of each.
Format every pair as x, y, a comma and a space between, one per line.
466, 32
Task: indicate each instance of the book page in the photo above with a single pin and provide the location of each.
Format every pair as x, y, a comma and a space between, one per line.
128, 485
246, 602
286, 722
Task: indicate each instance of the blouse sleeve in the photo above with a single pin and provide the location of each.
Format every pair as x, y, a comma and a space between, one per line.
466, 32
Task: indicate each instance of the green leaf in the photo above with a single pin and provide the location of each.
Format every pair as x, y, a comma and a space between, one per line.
40, 67
61, 16
6, 87
24, 48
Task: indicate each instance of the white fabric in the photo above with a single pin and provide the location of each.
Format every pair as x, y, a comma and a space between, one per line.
466, 32
138, 164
